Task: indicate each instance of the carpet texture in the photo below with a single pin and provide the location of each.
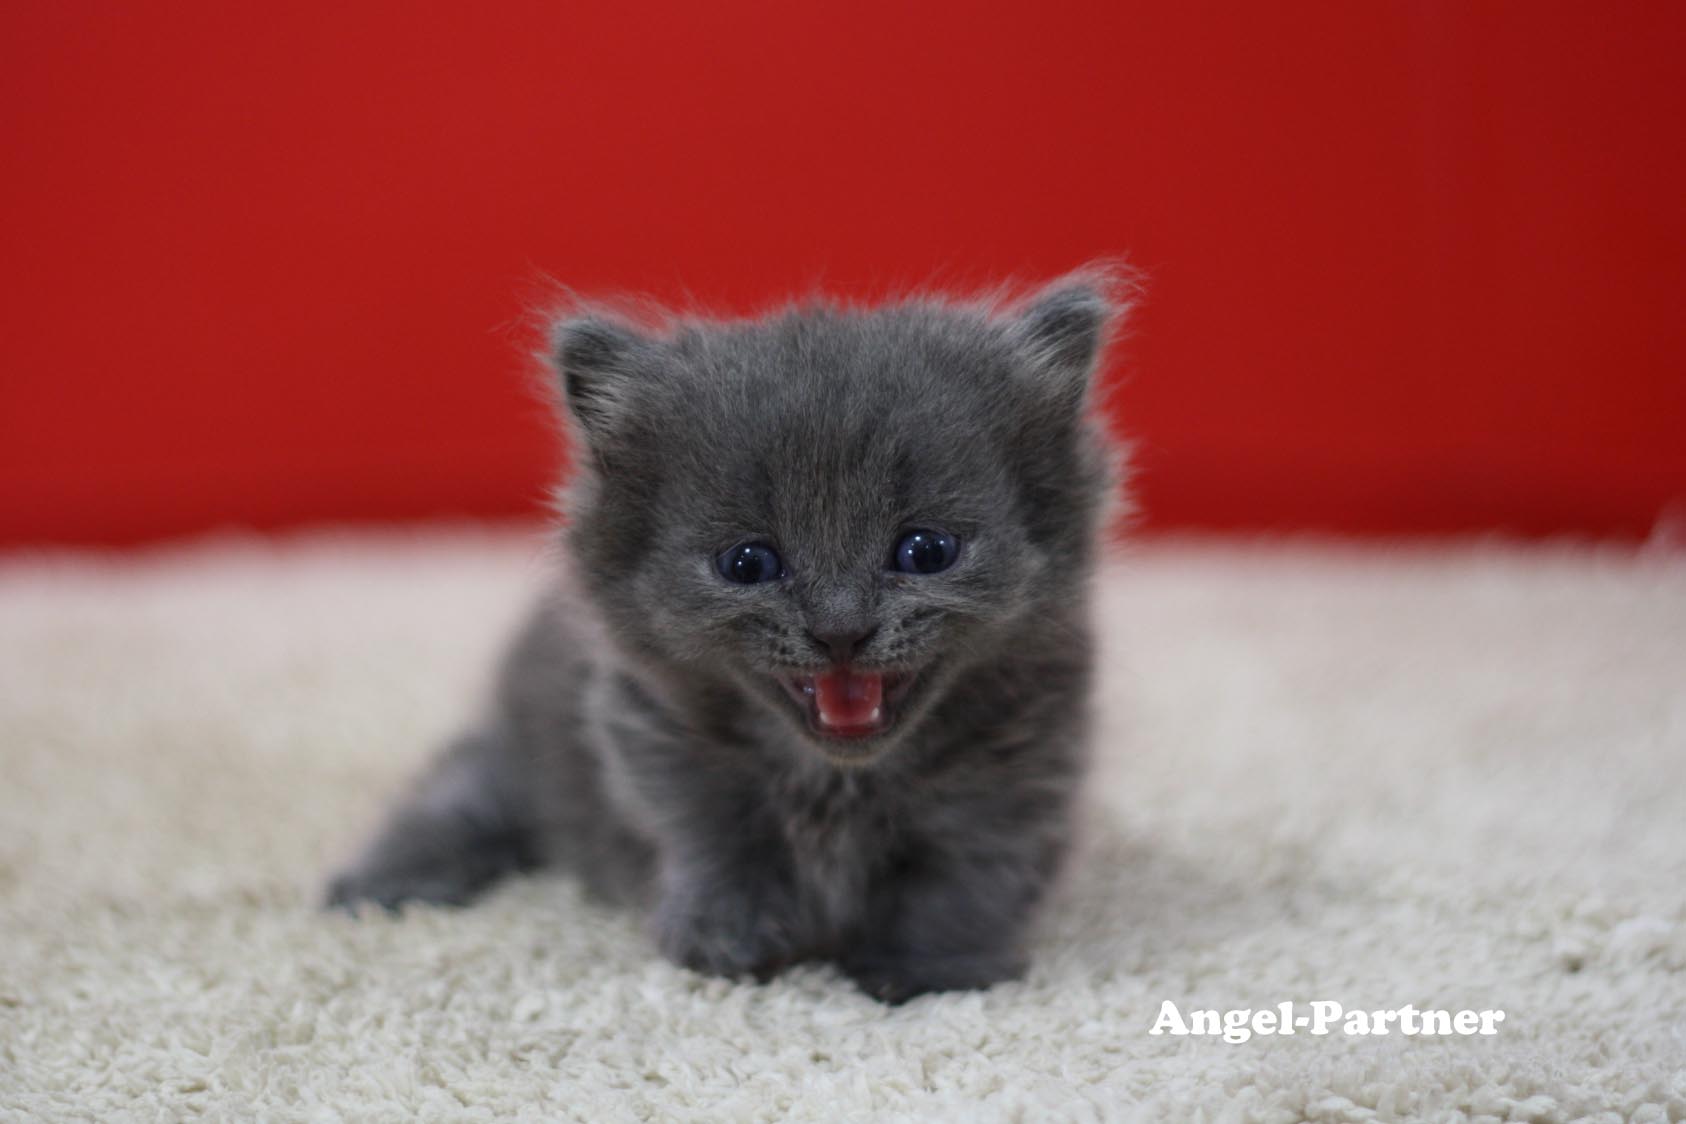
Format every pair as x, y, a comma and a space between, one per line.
1453, 780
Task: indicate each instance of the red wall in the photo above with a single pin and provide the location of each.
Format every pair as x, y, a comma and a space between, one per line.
1416, 267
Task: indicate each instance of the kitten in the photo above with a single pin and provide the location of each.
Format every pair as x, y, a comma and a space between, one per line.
815, 682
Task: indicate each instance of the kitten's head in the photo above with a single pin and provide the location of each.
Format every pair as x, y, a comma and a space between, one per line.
839, 511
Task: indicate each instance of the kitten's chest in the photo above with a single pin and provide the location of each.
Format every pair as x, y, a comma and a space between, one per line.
842, 829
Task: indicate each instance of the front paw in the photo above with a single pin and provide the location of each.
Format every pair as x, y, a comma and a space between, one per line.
725, 932
399, 870
390, 889
895, 978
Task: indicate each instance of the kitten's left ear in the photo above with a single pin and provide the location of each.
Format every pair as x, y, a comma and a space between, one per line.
1063, 329
600, 361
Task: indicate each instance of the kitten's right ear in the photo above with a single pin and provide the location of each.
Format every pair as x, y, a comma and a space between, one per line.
1064, 328
598, 361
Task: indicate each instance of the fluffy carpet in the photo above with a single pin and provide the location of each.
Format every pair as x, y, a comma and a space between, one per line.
1450, 779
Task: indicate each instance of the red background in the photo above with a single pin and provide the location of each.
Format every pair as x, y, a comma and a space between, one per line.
1415, 267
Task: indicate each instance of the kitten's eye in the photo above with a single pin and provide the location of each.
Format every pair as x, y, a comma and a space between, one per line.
749, 563
926, 552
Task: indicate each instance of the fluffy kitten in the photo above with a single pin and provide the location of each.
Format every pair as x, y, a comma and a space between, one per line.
815, 684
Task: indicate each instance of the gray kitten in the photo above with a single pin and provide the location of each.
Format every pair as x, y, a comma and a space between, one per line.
815, 684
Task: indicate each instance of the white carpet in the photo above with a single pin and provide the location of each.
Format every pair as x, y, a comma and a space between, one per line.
1452, 780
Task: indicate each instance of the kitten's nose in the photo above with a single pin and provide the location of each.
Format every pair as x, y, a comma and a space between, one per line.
843, 644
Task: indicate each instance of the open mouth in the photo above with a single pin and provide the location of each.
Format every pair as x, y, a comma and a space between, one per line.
848, 702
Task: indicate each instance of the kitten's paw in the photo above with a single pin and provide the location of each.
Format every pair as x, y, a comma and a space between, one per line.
894, 979
391, 888
439, 861
723, 934
353, 890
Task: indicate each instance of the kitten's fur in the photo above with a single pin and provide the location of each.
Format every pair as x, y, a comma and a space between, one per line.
638, 735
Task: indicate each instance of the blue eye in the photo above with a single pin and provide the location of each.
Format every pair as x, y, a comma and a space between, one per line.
926, 552
749, 563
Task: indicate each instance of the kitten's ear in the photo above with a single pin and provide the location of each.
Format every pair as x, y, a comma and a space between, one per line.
1063, 329
599, 361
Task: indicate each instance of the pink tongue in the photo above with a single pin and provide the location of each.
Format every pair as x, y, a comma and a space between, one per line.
849, 699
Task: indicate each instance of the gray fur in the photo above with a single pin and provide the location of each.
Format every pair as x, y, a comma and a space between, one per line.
638, 736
